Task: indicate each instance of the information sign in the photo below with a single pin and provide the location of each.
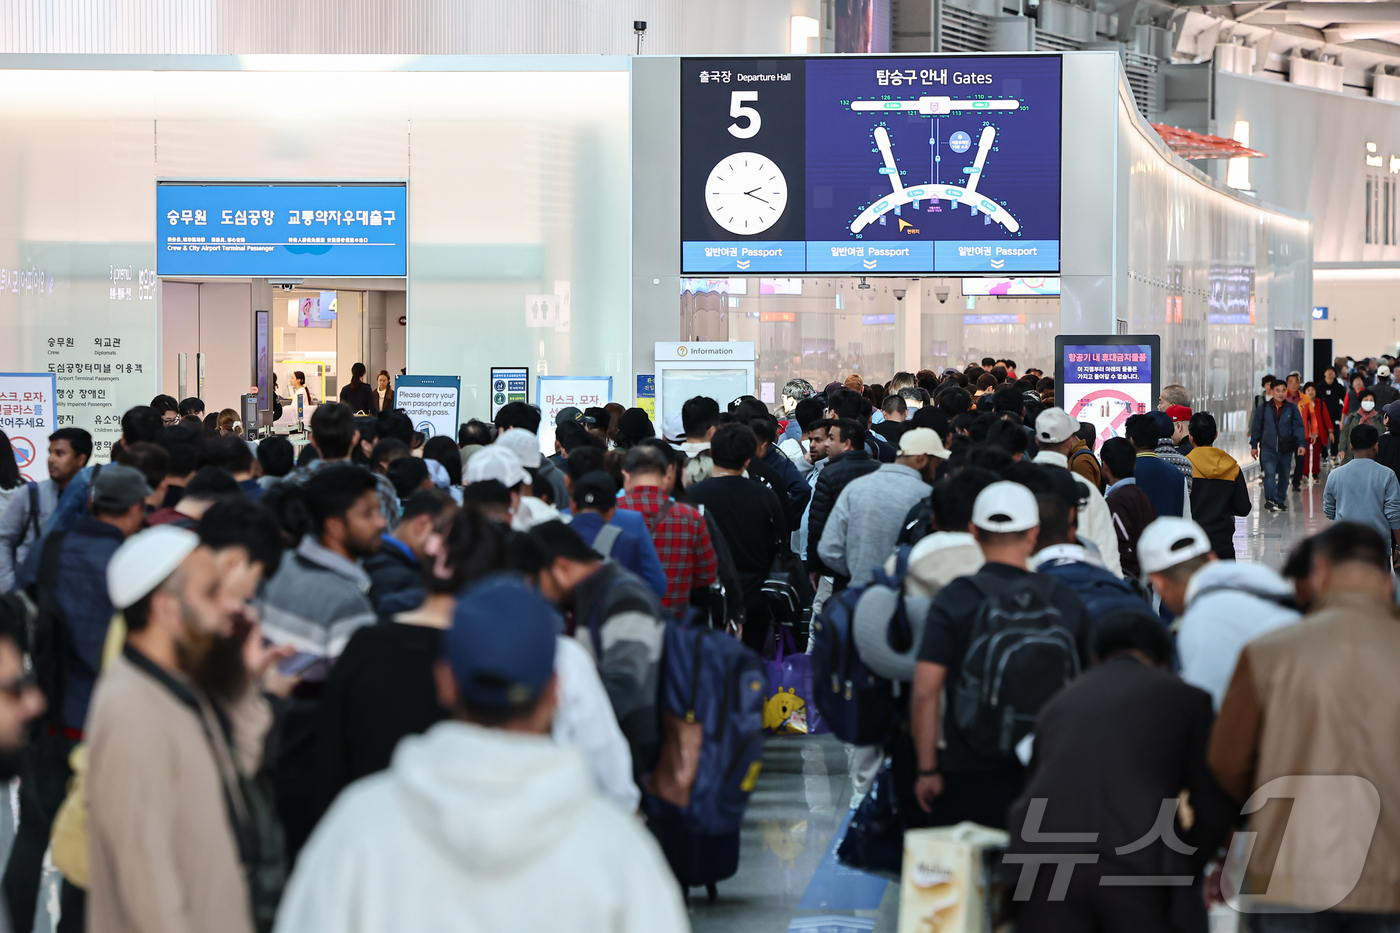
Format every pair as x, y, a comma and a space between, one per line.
431, 402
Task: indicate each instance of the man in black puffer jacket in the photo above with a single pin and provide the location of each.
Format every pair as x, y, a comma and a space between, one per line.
848, 460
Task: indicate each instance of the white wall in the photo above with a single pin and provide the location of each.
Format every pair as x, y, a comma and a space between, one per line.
179, 314
1315, 143
396, 334
1361, 313
360, 27
743, 27
226, 335
518, 187
400, 27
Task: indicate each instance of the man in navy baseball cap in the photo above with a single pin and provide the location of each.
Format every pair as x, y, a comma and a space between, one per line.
500, 651
480, 814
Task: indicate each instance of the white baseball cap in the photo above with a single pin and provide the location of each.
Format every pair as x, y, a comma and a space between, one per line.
1006, 506
1169, 541
672, 428
145, 561
524, 444
498, 463
1383, 370
917, 441
1055, 426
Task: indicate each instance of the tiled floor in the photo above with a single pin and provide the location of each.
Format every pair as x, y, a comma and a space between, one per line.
788, 877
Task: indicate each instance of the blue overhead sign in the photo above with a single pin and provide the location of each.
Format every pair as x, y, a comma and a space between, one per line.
267, 230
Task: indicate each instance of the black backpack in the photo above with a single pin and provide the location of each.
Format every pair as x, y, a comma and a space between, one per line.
1020, 654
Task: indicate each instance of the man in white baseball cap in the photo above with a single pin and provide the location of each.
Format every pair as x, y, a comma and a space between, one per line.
1223, 604
968, 779
1055, 434
157, 746
501, 463
544, 476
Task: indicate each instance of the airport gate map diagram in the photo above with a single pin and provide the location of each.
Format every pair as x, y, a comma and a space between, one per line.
935, 164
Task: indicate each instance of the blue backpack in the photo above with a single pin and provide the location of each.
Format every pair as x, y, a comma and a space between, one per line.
711, 697
854, 701
1100, 591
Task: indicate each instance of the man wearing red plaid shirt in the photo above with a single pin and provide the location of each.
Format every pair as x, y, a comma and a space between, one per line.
682, 541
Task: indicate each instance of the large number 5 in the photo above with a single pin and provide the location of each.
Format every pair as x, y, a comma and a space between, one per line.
737, 109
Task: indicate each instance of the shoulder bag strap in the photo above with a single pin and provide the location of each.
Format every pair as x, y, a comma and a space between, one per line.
607, 537
34, 510
593, 627
92, 484
659, 517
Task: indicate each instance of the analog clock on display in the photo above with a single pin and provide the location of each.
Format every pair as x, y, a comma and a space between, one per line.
746, 193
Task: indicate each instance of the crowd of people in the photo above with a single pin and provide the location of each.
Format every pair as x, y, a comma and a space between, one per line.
388, 680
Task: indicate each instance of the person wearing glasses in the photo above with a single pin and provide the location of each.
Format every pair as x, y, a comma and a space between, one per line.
168, 408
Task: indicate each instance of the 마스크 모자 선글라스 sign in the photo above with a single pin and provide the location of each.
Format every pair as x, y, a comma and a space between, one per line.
263, 230
29, 414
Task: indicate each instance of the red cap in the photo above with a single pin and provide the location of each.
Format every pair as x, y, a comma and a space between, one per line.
1178, 413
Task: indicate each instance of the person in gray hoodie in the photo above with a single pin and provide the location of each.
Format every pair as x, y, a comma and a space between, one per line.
315, 602
865, 522
485, 822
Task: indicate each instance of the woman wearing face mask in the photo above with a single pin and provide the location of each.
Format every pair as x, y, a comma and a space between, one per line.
1365, 413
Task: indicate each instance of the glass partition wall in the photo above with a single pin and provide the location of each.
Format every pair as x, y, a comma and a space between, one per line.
825, 329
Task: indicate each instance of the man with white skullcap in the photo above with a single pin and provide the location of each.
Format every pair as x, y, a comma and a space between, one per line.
176, 723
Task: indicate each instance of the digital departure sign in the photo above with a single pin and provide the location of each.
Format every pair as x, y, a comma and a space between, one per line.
870, 165
267, 230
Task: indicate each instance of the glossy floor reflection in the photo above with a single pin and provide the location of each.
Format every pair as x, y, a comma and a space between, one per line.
1267, 537
788, 876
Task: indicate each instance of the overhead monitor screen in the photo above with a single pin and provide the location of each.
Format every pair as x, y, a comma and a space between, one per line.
1105, 383
931, 164
269, 230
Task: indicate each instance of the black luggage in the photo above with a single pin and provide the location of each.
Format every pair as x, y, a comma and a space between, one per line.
698, 860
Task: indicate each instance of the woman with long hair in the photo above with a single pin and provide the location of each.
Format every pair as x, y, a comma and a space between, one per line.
299, 382
383, 397
228, 423
358, 395
10, 480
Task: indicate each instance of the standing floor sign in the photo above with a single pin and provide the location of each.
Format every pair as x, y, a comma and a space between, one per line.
29, 414
508, 384
555, 393
1105, 379
646, 397
431, 402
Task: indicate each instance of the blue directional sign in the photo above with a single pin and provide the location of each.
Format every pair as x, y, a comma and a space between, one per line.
268, 230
